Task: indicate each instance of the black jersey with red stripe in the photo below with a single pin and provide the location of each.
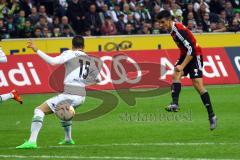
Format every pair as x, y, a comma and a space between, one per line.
185, 40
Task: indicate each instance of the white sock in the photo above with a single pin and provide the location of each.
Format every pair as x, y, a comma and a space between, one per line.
5, 97
68, 133
36, 124
67, 126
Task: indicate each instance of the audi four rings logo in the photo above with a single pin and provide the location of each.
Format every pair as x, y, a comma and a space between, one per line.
105, 73
111, 46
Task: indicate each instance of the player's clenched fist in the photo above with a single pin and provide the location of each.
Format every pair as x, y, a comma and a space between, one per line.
30, 44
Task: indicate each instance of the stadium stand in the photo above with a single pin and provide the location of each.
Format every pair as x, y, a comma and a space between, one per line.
65, 18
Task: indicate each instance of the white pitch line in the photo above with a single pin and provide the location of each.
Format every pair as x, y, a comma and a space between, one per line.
135, 144
107, 157
145, 144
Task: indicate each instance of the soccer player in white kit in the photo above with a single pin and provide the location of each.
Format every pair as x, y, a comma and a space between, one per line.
76, 71
13, 94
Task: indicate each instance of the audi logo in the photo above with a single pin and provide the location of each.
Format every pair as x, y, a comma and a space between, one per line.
105, 75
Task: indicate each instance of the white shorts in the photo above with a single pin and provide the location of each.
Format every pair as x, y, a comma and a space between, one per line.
75, 100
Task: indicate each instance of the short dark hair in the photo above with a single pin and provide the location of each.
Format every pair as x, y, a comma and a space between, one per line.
164, 14
78, 41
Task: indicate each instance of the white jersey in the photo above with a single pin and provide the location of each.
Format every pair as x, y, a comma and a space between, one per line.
80, 70
3, 58
75, 67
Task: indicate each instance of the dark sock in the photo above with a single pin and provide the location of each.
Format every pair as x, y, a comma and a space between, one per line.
207, 103
176, 89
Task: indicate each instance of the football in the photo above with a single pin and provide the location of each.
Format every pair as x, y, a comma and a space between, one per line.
65, 112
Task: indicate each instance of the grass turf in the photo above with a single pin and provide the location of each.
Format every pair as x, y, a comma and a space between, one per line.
126, 133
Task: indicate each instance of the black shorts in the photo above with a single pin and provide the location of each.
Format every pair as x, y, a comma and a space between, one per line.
193, 68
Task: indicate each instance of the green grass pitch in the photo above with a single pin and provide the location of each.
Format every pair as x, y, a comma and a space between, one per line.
124, 133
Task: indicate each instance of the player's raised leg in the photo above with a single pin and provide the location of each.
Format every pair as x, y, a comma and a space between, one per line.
67, 126
175, 89
12, 95
36, 126
199, 86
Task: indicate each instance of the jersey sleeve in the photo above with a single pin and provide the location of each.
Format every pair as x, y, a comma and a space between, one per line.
64, 57
186, 41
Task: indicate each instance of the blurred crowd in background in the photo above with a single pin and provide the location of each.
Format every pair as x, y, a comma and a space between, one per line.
65, 18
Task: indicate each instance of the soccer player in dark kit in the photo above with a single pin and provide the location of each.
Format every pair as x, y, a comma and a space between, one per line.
190, 62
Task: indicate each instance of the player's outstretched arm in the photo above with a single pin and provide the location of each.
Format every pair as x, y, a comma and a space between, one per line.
51, 60
3, 57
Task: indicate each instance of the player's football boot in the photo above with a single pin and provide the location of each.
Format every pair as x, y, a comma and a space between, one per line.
213, 122
64, 142
172, 108
27, 145
16, 96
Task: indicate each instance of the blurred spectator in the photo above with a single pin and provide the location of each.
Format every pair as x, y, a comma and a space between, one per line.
148, 4
145, 29
198, 3
234, 26
206, 23
115, 13
56, 22
93, 20
67, 32
229, 10
75, 14
144, 13
100, 5
128, 29
3, 8
56, 32
49, 6
190, 17
237, 16
111, 3
108, 27
26, 5
3, 30
120, 24
220, 27
43, 23
37, 33
87, 32
126, 11
61, 8
216, 6
186, 12
155, 11
156, 28
178, 16
104, 13
42, 12
11, 28
213, 26
65, 23
46, 33
177, 12
192, 26
130, 19
28, 35
13, 7
223, 18
21, 21
236, 5
28, 29
34, 16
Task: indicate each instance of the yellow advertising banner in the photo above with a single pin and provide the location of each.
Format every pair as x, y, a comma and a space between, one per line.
118, 43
